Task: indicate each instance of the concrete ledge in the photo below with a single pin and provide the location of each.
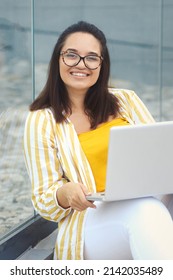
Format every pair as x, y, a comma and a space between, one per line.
37, 254
43, 250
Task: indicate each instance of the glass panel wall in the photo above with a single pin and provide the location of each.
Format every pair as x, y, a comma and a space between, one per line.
15, 95
140, 41
134, 39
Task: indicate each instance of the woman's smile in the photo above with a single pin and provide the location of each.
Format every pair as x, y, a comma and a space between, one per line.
79, 74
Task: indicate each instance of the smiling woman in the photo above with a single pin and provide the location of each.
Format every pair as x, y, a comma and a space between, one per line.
64, 122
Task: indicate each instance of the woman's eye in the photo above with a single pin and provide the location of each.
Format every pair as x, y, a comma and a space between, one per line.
92, 58
71, 55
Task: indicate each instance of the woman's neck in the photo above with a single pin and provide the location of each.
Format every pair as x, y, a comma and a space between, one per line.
77, 102
78, 116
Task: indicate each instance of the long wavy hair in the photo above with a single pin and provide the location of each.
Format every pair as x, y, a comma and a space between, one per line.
99, 103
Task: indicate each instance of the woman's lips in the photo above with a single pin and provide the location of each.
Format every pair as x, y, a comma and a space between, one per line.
79, 74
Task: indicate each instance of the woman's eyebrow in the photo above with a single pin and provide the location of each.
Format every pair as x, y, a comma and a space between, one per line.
93, 53
72, 50
89, 53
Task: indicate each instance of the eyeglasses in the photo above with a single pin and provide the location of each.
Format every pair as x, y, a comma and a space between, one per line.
91, 61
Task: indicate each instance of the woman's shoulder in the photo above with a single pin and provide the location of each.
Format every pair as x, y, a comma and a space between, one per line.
40, 116
132, 106
46, 112
122, 93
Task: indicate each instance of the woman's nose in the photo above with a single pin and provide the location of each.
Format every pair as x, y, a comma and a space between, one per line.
81, 63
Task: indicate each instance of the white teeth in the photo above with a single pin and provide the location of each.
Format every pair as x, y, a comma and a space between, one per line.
79, 74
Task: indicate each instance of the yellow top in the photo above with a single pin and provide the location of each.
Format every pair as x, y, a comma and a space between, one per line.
95, 146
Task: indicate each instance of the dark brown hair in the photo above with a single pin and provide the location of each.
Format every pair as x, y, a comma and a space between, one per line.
99, 103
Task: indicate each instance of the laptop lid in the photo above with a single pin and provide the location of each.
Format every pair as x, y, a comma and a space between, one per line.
140, 161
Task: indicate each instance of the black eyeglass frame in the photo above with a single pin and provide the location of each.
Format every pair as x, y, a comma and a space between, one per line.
81, 58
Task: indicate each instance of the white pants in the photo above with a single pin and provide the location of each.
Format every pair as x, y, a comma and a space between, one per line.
140, 229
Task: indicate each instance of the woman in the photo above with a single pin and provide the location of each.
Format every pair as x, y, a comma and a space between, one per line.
65, 143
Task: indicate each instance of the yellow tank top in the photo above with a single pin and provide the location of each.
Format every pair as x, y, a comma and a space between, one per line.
95, 146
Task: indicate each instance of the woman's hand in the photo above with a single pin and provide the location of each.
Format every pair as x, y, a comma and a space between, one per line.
74, 195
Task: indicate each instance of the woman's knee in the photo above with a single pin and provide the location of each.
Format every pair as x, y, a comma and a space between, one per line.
150, 212
151, 231
153, 208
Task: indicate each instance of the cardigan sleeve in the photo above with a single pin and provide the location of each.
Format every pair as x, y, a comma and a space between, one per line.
43, 166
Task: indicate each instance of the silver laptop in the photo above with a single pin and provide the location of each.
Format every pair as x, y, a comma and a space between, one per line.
140, 162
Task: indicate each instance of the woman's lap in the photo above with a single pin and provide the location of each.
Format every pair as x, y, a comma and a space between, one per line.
131, 229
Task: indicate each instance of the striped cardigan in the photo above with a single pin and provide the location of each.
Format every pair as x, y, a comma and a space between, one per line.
53, 154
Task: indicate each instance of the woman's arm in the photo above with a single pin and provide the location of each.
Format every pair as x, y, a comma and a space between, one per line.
43, 166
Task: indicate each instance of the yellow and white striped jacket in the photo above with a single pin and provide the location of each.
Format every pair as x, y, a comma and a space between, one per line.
53, 154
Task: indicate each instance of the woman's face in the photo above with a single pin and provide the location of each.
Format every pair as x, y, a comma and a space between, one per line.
78, 79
